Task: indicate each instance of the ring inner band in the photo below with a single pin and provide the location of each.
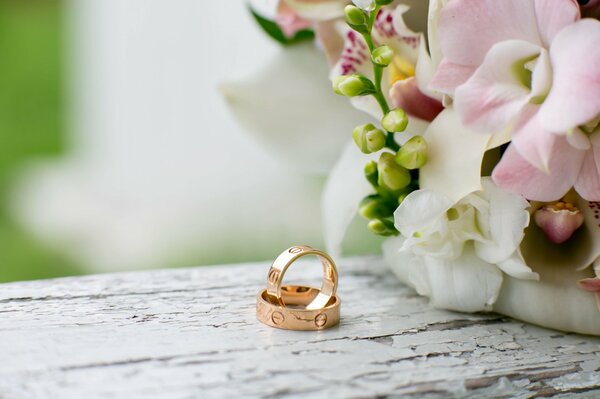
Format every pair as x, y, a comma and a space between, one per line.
283, 261
296, 297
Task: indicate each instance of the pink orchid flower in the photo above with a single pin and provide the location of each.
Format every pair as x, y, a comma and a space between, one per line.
530, 68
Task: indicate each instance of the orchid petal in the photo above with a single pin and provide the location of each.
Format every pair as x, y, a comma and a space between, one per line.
455, 155
367, 5
554, 302
406, 95
419, 209
449, 76
532, 141
558, 224
541, 77
355, 57
588, 182
578, 139
433, 19
467, 284
515, 174
495, 95
289, 22
344, 190
469, 28
405, 265
573, 99
515, 267
508, 218
331, 39
552, 16
318, 10
389, 29
291, 120
430, 54
424, 71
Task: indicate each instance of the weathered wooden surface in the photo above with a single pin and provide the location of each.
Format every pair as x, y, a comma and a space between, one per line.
192, 333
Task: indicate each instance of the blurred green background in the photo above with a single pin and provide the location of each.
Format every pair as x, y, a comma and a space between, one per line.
31, 124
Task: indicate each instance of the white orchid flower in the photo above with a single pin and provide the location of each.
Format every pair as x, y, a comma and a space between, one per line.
288, 107
455, 252
367, 5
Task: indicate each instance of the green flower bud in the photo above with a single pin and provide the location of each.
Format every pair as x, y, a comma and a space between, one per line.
368, 138
356, 18
382, 227
376, 207
372, 209
391, 175
413, 153
382, 56
383, 2
371, 173
353, 85
395, 120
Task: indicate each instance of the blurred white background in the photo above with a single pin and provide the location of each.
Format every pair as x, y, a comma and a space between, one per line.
158, 172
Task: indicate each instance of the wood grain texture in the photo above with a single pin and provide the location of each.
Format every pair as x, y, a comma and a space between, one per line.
192, 333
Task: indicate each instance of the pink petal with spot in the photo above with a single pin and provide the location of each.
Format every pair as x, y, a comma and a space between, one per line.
552, 16
355, 56
588, 183
574, 98
495, 96
406, 95
469, 28
515, 174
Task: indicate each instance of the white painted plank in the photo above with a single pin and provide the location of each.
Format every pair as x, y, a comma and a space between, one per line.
193, 333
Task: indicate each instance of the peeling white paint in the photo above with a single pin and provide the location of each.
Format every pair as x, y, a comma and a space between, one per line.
193, 333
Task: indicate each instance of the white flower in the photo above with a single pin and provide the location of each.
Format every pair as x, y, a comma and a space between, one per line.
455, 252
367, 5
289, 108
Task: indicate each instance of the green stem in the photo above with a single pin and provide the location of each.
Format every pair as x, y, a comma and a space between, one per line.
381, 100
377, 76
390, 142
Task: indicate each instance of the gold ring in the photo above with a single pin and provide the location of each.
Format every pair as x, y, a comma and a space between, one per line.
289, 256
294, 313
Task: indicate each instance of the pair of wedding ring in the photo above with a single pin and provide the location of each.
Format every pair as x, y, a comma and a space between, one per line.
294, 307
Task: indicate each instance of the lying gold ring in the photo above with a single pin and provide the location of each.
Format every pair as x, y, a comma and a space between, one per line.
289, 256
294, 313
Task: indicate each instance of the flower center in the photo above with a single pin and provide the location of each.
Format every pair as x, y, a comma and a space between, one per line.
523, 71
400, 69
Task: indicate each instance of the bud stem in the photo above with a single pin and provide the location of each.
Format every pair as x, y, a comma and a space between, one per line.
377, 76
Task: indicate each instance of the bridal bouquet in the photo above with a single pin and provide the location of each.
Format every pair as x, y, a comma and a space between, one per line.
479, 154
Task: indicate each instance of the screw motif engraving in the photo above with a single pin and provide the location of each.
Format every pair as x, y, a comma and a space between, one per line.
277, 318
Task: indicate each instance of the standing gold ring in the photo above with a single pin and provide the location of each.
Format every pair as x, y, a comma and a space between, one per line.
293, 314
289, 256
